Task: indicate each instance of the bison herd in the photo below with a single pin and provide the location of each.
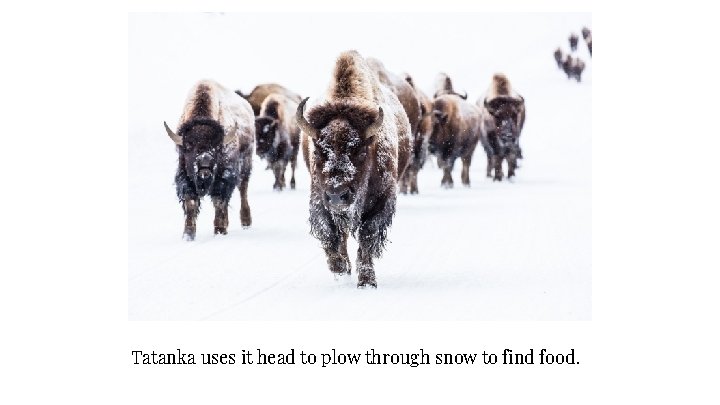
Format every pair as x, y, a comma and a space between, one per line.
574, 66
364, 141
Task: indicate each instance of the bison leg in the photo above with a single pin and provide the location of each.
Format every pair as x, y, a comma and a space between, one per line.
279, 172
246, 168
512, 165
293, 163
413, 181
403, 182
366, 271
447, 181
337, 257
497, 162
221, 216
372, 236
466, 170
191, 208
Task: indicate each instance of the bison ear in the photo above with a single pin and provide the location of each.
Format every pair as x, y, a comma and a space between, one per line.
231, 135
177, 139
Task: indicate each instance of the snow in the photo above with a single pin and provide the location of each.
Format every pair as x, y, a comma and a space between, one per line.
495, 251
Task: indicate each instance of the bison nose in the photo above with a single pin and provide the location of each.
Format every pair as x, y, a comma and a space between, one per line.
338, 197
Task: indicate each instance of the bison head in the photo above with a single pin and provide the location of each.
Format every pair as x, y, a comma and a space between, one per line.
505, 111
265, 128
343, 138
200, 143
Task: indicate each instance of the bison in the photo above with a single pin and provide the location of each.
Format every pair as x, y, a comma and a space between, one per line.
573, 67
503, 120
278, 137
573, 39
411, 104
455, 134
443, 85
419, 142
558, 58
214, 141
356, 142
261, 91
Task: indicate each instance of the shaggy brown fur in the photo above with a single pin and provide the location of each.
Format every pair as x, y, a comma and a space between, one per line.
215, 144
503, 121
278, 137
420, 140
455, 134
356, 144
404, 92
443, 85
261, 91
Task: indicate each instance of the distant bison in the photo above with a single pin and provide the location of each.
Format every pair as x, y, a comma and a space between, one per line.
356, 143
278, 136
503, 121
455, 134
558, 58
573, 67
573, 39
214, 141
443, 85
261, 91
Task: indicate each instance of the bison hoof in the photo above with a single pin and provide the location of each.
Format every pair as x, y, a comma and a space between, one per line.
220, 230
277, 187
414, 191
367, 284
188, 235
497, 179
292, 184
245, 220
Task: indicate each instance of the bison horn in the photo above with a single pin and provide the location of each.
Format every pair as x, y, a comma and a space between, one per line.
302, 122
231, 135
375, 126
464, 97
177, 139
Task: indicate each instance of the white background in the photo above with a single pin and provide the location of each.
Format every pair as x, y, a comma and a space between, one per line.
66, 337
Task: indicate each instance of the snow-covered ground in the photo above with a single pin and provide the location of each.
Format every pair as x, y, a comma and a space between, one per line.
495, 251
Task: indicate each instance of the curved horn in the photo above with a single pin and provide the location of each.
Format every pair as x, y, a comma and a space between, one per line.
239, 93
462, 97
177, 139
375, 126
231, 135
302, 122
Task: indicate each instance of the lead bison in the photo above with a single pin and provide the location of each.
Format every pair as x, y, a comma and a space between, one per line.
503, 120
278, 137
214, 141
455, 134
260, 93
356, 143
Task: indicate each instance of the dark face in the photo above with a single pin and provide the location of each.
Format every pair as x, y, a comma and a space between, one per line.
341, 155
505, 116
265, 128
437, 136
200, 150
